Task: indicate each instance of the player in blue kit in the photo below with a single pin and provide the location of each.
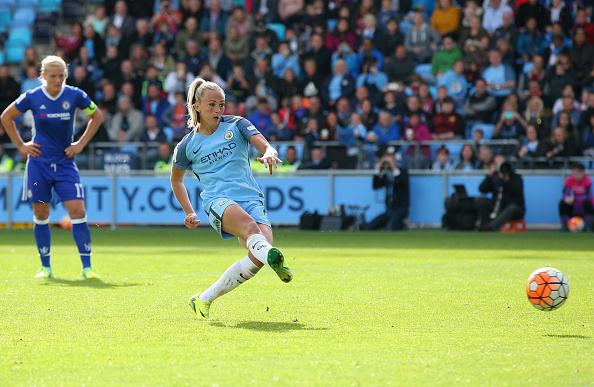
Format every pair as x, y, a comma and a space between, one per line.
51, 152
217, 152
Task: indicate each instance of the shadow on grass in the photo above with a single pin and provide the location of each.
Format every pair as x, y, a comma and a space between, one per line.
268, 326
568, 336
85, 283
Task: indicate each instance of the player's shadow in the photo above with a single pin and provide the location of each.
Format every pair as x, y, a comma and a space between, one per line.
567, 336
265, 326
84, 283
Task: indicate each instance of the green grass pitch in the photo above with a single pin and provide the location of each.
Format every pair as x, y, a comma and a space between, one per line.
410, 308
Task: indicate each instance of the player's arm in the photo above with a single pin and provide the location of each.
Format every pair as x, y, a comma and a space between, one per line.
269, 155
181, 194
8, 117
96, 119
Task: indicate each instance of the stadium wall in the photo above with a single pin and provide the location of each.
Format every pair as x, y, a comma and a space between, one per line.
146, 199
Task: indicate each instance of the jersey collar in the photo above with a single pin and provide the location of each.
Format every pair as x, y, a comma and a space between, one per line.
49, 95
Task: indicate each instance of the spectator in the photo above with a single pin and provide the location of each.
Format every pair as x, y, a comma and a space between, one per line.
577, 198
476, 58
98, 20
369, 115
417, 131
468, 158
289, 11
339, 83
371, 31
80, 80
443, 162
290, 162
480, 105
421, 40
395, 179
366, 52
153, 78
493, 16
508, 55
236, 46
154, 104
70, 43
94, 43
485, 158
32, 80
112, 62
330, 132
31, 58
500, 78
176, 117
193, 8
168, 14
373, 78
165, 35
456, 83
581, 54
177, 81
413, 105
152, 132
163, 163
242, 21
193, 57
110, 96
126, 123
472, 35
121, 20
207, 73
263, 84
588, 138
343, 111
189, 33
508, 30
558, 76
342, 32
572, 131
139, 60
237, 84
261, 119
444, 59
535, 115
532, 147
142, 35
426, 100
507, 203
283, 60
537, 73
385, 130
532, 9
553, 52
392, 38
6, 162
471, 9
386, 13
581, 21
319, 53
288, 85
345, 52
90, 65
531, 41
317, 160
217, 58
214, 20
161, 59
448, 124
570, 107
445, 18
511, 125
561, 144
560, 13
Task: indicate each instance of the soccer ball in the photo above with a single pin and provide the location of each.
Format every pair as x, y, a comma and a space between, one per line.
65, 223
547, 289
575, 224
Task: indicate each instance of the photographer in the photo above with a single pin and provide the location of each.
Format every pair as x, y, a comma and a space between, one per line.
395, 180
507, 203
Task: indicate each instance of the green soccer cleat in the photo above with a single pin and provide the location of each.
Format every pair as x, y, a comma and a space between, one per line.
89, 272
201, 308
276, 261
45, 272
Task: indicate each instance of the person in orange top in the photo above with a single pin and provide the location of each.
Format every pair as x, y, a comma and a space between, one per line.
445, 18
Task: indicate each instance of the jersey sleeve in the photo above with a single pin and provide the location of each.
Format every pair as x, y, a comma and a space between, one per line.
180, 157
246, 128
23, 102
84, 103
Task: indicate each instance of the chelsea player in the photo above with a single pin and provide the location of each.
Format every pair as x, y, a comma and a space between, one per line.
50, 153
217, 152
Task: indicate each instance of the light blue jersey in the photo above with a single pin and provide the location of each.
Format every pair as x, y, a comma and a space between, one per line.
54, 119
220, 161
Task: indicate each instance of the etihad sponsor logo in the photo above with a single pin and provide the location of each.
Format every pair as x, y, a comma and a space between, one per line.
62, 116
219, 154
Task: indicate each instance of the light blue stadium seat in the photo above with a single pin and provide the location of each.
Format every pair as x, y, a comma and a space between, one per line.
7, 3
15, 52
279, 29
405, 26
423, 69
21, 35
5, 17
455, 150
528, 66
27, 3
331, 24
282, 150
23, 17
129, 149
486, 128
2, 58
47, 8
50, 2
169, 133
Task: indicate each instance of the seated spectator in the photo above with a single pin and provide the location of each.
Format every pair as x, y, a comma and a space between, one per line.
153, 78
154, 104
312, 81
588, 138
395, 180
556, 48
278, 129
127, 123
559, 76
236, 46
368, 113
531, 41
373, 78
392, 38
468, 158
242, 21
537, 73
577, 198
456, 83
263, 84
532, 147
507, 188
214, 20
366, 52
532, 9
80, 80
508, 55
426, 100
569, 106
385, 130
94, 43
511, 125
319, 53
493, 16
536, 115
7, 163
165, 35
561, 145
444, 59
387, 12
217, 58
98, 20
283, 60
400, 67
190, 32
342, 32
207, 73
143, 35
165, 156
476, 58
177, 81
581, 21
112, 61
317, 160
472, 35
115, 38
109, 96
139, 58
32, 80
152, 131
161, 59
421, 40
471, 9
176, 117
261, 119
353, 133
417, 131
448, 124
345, 52
480, 106
560, 13
31, 58
329, 131
121, 19
445, 18
70, 43
237, 84
485, 158
127, 74
290, 162
393, 105
370, 30
508, 30
581, 54
339, 83
500, 78
443, 162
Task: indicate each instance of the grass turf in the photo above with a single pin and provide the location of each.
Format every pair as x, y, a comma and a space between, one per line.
411, 308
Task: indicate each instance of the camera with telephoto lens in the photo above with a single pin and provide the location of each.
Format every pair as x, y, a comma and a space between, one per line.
385, 167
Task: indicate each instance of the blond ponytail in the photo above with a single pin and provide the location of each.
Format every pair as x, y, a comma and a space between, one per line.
195, 92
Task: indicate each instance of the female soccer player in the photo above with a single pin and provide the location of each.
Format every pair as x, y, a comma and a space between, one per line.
51, 151
217, 151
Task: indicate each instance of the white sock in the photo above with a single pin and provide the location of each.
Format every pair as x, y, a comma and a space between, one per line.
258, 246
235, 275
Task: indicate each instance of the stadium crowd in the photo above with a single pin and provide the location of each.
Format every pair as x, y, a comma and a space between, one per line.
353, 75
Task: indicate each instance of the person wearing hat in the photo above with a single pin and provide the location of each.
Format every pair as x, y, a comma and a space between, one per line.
507, 203
582, 53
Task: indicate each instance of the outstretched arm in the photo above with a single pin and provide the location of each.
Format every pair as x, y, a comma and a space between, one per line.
269, 155
181, 194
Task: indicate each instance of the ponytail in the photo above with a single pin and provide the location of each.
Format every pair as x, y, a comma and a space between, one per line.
195, 92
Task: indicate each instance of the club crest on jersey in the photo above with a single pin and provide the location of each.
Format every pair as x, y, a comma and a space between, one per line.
223, 202
228, 135
66, 105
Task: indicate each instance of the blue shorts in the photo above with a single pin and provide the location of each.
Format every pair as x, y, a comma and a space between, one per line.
216, 207
40, 178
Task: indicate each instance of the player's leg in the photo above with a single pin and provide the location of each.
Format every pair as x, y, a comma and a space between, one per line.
588, 214
41, 231
81, 234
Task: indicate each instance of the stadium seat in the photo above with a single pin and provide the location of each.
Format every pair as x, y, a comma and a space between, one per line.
7, 3
405, 26
514, 226
15, 52
23, 17
43, 31
528, 66
486, 128
1, 58
5, 17
21, 35
455, 150
279, 29
70, 12
423, 69
169, 133
53, 3
27, 3
47, 14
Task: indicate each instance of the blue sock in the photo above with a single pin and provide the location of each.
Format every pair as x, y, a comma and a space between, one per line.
43, 239
82, 237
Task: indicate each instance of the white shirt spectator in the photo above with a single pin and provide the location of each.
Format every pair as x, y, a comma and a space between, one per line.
493, 18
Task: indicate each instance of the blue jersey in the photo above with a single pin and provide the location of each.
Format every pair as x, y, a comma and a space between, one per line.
54, 119
221, 160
